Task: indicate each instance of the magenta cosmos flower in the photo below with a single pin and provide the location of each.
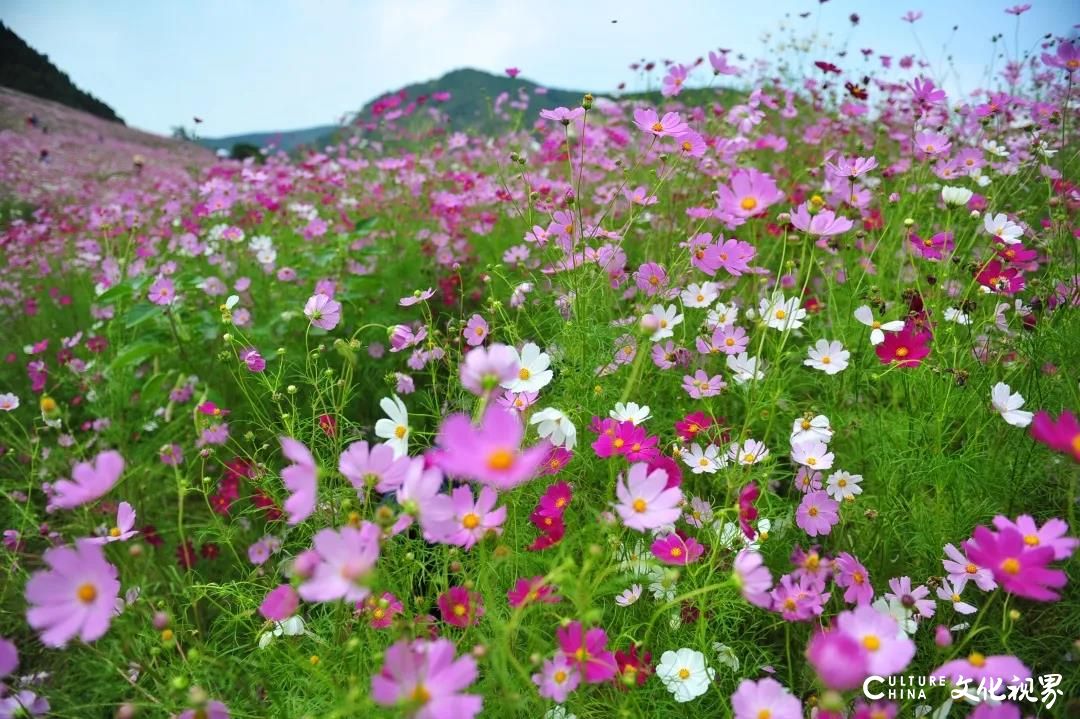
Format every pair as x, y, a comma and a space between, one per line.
838, 658
906, 348
824, 223
977, 668
933, 248
476, 331
88, 481
1051, 534
485, 368
817, 513
1019, 568
324, 312
1061, 434
491, 453
587, 650
162, 291
280, 603
673, 549
458, 519
753, 578
850, 574
526, 591
765, 698
299, 478
426, 679
75, 596
345, 559
460, 607
645, 500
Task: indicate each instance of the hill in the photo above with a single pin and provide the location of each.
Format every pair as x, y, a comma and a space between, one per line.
25, 69
282, 139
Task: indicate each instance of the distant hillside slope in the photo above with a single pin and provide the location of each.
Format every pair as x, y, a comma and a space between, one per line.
68, 154
25, 69
282, 139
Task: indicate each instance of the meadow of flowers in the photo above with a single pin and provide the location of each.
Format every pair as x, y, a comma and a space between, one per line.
705, 402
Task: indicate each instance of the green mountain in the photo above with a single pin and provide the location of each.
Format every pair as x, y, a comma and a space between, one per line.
25, 69
287, 140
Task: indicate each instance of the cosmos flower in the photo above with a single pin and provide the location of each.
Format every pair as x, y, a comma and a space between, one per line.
124, 529
765, 698
89, 481
342, 563
490, 453
1008, 403
75, 597
829, 357
645, 500
533, 373
425, 675
324, 312
300, 479
685, 673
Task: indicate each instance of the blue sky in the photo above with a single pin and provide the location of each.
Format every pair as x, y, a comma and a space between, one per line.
247, 65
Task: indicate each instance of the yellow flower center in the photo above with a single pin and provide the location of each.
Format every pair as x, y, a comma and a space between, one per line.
871, 642
811, 461
640, 505
977, 660
806, 424
619, 442
826, 359
420, 694
379, 613
748, 203
470, 521
686, 146
524, 373
460, 609
902, 352
841, 483
114, 532
780, 314
730, 342
1011, 566
657, 126
1031, 540
813, 511
400, 431
86, 593
764, 714
500, 460
971, 568
858, 577
812, 562
676, 552
749, 457
559, 676
684, 674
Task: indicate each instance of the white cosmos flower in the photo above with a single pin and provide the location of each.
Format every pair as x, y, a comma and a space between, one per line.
722, 315
635, 559
781, 314
291, 627
662, 586
750, 452
702, 295
1008, 404
744, 368
559, 712
829, 357
394, 430
813, 454
685, 673
843, 485
630, 412
705, 461
1001, 227
726, 656
982, 180
951, 593
533, 373
955, 196
877, 334
811, 428
555, 427
954, 315
994, 148
8, 402
629, 596
663, 321
896, 609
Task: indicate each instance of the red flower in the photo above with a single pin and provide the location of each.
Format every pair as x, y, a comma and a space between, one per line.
634, 668
185, 555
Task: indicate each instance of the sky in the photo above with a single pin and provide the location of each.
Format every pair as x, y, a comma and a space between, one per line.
266, 65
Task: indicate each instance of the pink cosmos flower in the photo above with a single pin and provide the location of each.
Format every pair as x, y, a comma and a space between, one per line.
962, 569
491, 453
672, 84
485, 368
913, 599
799, 598
381, 610
375, 467
932, 143
253, 360
587, 651
1051, 534
1061, 434
645, 501
849, 573
838, 658
124, 529
555, 500
888, 650
817, 513
676, 550
457, 519
933, 248
562, 114
476, 331
751, 192
852, 167
753, 578
162, 291
651, 278
9, 657
1067, 56
416, 297
529, 590
906, 348
557, 678
670, 125
299, 478
460, 607
1019, 568
733, 256
765, 698
88, 481
702, 385
825, 223
280, 603
977, 668
691, 144
345, 559
425, 675
324, 312
75, 596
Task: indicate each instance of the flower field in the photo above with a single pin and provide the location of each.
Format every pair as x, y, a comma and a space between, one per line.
726, 402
